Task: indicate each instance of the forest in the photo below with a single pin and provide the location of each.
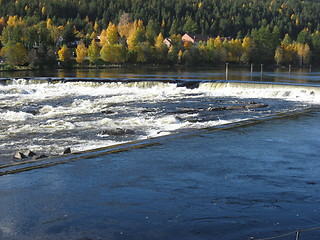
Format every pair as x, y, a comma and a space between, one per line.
68, 32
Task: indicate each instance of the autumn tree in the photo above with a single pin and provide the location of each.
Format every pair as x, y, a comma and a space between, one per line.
125, 25
14, 54
115, 53
161, 49
304, 53
111, 34
137, 35
93, 52
246, 50
81, 52
64, 54
235, 50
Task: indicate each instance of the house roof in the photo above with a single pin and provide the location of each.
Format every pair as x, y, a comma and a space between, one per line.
189, 37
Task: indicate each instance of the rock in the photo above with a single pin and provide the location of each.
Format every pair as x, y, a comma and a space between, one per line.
235, 107
33, 112
107, 112
116, 132
256, 105
29, 153
67, 151
185, 111
211, 109
19, 155
35, 157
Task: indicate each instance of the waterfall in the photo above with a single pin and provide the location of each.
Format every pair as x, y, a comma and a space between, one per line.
263, 90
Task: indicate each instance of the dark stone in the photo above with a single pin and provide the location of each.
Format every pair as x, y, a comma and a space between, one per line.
29, 153
35, 157
116, 132
19, 155
211, 109
256, 105
33, 112
107, 112
235, 107
67, 151
185, 110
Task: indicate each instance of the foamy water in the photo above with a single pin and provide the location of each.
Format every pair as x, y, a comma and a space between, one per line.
47, 117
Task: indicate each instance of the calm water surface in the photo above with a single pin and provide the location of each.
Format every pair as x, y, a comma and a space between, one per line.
256, 181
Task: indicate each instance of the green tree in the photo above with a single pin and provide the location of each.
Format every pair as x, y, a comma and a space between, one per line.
190, 26
14, 54
151, 32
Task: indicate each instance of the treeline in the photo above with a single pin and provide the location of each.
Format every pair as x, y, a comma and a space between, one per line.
47, 33
233, 18
134, 42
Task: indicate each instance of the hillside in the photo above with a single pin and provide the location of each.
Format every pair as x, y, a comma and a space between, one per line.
216, 17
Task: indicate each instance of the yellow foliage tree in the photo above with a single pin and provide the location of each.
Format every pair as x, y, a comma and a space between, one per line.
290, 53
159, 41
96, 27
115, 53
137, 35
218, 44
12, 21
235, 50
304, 52
93, 52
14, 54
81, 52
64, 54
111, 34
125, 25
103, 37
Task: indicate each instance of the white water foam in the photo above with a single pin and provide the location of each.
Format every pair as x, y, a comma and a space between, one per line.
70, 114
300, 93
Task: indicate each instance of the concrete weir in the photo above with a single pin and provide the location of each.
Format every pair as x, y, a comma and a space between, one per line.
54, 160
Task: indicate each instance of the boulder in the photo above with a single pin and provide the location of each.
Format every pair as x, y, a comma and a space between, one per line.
66, 151
19, 155
29, 153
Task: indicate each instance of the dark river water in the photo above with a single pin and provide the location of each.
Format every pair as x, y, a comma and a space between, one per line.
192, 175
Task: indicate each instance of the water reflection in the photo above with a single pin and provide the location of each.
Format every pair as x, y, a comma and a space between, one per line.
297, 75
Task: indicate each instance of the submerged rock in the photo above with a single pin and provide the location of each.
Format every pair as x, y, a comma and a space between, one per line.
185, 111
256, 105
116, 132
107, 112
235, 107
35, 157
211, 109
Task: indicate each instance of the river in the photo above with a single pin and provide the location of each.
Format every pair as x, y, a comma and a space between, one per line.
255, 177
